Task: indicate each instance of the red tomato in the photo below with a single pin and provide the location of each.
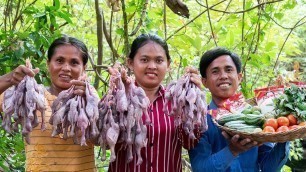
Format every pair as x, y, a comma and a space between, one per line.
283, 121
271, 122
293, 127
292, 119
268, 129
282, 129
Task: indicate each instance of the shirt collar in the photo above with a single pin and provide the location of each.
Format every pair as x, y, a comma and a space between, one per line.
160, 92
212, 105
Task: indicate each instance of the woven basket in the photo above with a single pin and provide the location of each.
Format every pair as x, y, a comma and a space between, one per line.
261, 137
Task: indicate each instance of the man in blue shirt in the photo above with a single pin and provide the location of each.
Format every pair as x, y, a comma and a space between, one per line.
216, 150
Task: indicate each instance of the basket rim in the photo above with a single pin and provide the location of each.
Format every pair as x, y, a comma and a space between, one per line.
285, 136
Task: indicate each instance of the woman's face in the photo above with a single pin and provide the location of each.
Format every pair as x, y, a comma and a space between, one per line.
65, 65
150, 65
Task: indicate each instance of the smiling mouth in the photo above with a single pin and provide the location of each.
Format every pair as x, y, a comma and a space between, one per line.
224, 85
65, 77
151, 74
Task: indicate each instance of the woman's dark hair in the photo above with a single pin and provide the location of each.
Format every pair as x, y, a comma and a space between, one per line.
143, 39
66, 40
210, 55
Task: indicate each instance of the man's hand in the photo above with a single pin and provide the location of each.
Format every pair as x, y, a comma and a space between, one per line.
237, 145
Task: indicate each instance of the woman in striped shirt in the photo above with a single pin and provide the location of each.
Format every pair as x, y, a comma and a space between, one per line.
149, 60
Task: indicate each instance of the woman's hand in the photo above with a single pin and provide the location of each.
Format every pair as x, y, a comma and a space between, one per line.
20, 72
15, 77
79, 87
195, 77
237, 145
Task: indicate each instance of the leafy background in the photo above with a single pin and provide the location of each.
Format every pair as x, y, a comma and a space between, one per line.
269, 35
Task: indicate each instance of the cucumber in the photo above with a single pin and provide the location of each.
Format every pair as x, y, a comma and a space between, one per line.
248, 129
230, 124
254, 119
232, 117
241, 126
247, 111
257, 112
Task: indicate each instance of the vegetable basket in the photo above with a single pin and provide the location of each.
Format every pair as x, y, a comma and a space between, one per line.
261, 137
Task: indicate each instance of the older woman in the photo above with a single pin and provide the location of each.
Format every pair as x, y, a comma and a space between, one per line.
67, 58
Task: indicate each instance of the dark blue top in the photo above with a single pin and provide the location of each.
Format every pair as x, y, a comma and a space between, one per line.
212, 154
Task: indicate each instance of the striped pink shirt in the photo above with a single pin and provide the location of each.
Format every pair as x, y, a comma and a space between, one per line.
163, 151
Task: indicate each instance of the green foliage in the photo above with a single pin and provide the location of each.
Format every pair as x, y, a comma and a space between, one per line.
102, 166
296, 150
30, 36
286, 169
12, 157
257, 32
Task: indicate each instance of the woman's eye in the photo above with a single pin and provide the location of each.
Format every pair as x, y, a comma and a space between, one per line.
159, 60
143, 60
59, 60
75, 63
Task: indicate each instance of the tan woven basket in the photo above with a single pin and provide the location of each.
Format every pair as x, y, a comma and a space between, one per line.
262, 137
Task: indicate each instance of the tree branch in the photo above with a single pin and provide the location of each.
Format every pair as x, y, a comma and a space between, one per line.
242, 30
100, 42
211, 28
250, 47
276, 62
284, 26
20, 14
258, 31
10, 13
243, 11
62, 25
143, 14
256, 78
96, 67
111, 30
286, 41
179, 29
6, 14
126, 31
180, 64
225, 10
165, 19
108, 38
16, 14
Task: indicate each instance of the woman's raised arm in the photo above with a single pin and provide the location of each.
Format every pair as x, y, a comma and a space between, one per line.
14, 77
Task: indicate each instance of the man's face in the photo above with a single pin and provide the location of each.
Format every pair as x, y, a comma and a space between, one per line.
222, 78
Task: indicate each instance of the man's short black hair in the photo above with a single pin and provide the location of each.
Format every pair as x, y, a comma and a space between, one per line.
210, 55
